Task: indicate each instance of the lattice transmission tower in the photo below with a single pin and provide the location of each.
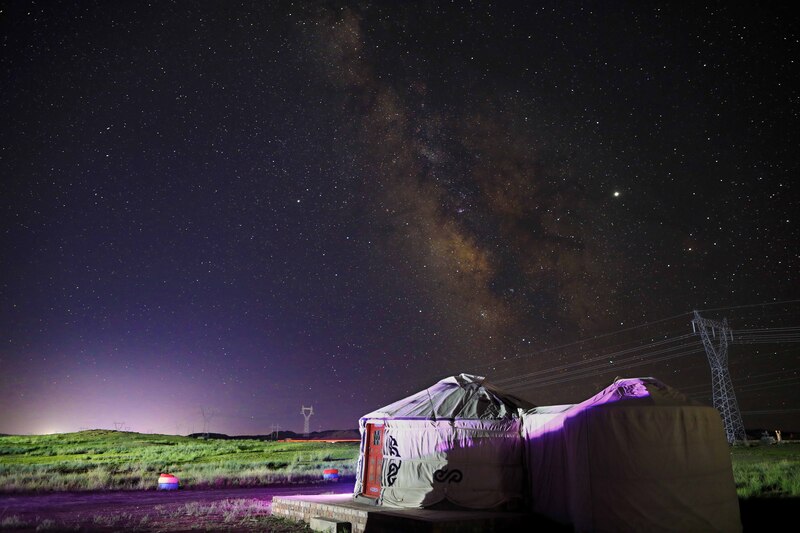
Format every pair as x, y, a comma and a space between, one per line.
306, 412
722, 388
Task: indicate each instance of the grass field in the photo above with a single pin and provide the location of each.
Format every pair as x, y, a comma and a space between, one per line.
767, 478
767, 471
102, 459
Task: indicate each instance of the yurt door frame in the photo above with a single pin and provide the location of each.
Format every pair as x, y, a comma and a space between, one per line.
373, 460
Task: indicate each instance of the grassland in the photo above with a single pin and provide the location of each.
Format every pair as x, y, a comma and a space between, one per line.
767, 479
102, 460
767, 471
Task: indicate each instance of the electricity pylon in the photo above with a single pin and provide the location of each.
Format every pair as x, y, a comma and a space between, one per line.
306, 412
722, 388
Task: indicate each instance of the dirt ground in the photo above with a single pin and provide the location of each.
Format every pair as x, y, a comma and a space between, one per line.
241, 509
233, 510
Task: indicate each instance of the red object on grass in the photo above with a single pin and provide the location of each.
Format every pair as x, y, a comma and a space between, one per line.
167, 482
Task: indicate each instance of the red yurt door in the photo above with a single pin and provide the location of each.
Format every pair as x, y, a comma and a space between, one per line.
373, 460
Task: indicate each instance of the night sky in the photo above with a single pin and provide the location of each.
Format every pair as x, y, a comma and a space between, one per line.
244, 208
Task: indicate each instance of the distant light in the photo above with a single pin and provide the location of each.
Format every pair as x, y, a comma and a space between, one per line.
616, 194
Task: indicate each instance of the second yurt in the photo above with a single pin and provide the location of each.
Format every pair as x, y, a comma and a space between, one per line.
637, 456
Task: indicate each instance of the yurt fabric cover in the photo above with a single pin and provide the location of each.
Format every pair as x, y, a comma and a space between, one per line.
637, 456
458, 440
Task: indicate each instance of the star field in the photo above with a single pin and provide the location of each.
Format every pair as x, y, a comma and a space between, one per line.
248, 207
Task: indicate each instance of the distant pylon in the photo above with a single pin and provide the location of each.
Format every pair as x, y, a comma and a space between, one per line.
306, 412
721, 385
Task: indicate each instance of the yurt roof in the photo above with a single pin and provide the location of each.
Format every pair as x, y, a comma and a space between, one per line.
464, 396
644, 391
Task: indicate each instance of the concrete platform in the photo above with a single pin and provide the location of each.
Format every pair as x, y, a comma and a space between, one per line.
366, 518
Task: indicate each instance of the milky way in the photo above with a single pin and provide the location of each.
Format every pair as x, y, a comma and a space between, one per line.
243, 209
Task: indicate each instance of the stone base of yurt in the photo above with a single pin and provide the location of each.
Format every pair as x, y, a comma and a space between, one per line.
342, 509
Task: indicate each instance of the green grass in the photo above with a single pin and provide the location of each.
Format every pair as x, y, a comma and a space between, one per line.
102, 459
767, 471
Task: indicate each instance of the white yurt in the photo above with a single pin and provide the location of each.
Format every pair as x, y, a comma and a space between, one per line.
637, 456
458, 441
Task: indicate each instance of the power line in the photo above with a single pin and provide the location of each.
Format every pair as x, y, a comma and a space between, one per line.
580, 341
637, 345
603, 356
589, 372
791, 335
739, 380
609, 355
743, 383
749, 389
772, 411
616, 332
776, 385
767, 340
749, 305
761, 330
